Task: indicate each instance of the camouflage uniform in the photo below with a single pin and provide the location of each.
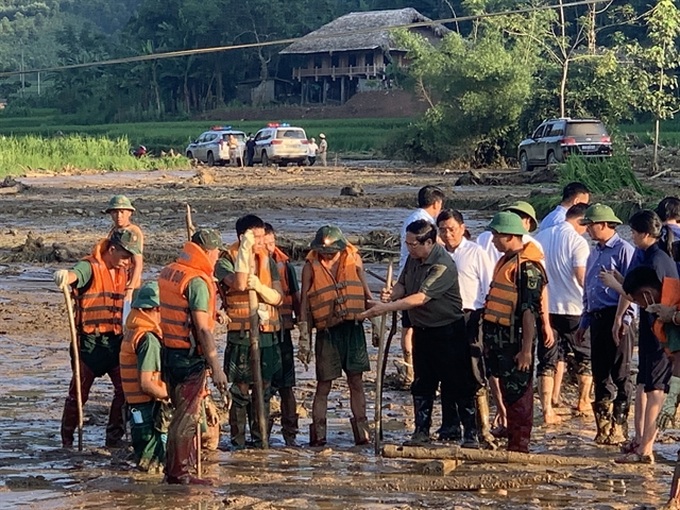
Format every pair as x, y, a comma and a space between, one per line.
503, 343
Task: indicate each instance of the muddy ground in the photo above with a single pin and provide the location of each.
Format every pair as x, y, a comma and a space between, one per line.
47, 222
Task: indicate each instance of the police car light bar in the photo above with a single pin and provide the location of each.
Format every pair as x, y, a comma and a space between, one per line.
276, 124
220, 128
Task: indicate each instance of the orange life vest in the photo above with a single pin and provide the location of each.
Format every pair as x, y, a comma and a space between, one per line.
100, 303
333, 300
130, 263
176, 322
670, 295
238, 306
501, 302
138, 324
286, 307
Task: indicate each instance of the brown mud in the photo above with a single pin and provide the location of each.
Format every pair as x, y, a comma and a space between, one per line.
47, 222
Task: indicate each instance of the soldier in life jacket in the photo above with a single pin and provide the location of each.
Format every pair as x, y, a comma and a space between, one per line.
188, 296
334, 294
243, 266
98, 284
511, 323
146, 393
289, 311
662, 301
121, 209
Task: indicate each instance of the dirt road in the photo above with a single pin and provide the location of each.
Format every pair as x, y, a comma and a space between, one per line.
51, 221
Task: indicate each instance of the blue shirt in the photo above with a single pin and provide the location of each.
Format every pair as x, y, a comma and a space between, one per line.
614, 254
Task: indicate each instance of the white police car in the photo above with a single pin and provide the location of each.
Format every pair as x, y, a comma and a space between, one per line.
280, 144
212, 147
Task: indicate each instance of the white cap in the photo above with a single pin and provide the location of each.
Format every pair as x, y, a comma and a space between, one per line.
321, 135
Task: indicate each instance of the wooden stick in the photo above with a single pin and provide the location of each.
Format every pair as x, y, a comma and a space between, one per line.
76, 361
255, 365
498, 457
377, 414
191, 229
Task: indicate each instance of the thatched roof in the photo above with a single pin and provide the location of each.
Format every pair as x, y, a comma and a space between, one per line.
334, 36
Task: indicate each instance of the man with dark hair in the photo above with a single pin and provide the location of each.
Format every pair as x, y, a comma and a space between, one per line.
566, 254
334, 295
98, 285
430, 203
188, 303
572, 194
610, 357
429, 293
475, 271
284, 380
512, 322
244, 266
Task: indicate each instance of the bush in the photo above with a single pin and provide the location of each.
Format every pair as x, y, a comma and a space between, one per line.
603, 177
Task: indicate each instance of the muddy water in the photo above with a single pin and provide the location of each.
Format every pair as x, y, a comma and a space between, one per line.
36, 473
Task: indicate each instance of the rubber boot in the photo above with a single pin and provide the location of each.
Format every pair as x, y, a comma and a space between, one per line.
619, 428
289, 429
603, 420
520, 421
238, 417
423, 418
486, 439
361, 431
317, 432
450, 429
258, 440
469, 420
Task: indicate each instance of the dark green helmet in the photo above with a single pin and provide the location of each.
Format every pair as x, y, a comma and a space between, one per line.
329, 239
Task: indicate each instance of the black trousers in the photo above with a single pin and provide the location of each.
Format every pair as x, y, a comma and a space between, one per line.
611, 363
473, 325
442, 355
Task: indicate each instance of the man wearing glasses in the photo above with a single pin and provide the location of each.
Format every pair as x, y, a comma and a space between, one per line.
428, 291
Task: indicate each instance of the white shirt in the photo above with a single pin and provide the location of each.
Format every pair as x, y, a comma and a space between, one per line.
484, 240
564, 251
312, 149
555, 217
475, 271
418, 214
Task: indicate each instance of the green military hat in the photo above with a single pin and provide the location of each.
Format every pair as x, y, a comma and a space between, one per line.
147, 296
208, 238
507, 222
328, 239
599, 213
127, 240
525, 208
119, 202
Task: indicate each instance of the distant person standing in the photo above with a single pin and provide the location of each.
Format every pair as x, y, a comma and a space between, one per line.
234, 152
572, 194
121, 209
323, 149
250, 150
312, 149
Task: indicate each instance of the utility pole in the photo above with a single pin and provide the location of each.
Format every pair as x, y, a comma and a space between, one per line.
23, 80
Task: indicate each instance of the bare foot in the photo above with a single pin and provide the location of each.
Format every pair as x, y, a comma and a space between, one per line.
551, 418
583, 409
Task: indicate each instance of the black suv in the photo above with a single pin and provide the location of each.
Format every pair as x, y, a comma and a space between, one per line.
555, 139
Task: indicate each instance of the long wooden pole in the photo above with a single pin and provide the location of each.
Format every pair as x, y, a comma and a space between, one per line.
380, 373
76, 361
255, 364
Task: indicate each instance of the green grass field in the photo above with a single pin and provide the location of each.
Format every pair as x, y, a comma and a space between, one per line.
365, 136
669, 133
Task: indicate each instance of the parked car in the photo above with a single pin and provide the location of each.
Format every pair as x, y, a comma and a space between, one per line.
280, 144
212, 147
556, 139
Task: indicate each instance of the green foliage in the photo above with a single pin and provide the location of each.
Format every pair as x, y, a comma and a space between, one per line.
603, 177
35, 153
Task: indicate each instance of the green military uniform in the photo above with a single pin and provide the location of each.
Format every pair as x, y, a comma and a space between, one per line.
285, 376
149, 428
503, 343
237, 366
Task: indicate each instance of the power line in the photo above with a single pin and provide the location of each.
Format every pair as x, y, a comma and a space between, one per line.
308, 37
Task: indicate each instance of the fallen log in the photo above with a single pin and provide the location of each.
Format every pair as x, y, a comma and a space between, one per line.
496, 457
460, 483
